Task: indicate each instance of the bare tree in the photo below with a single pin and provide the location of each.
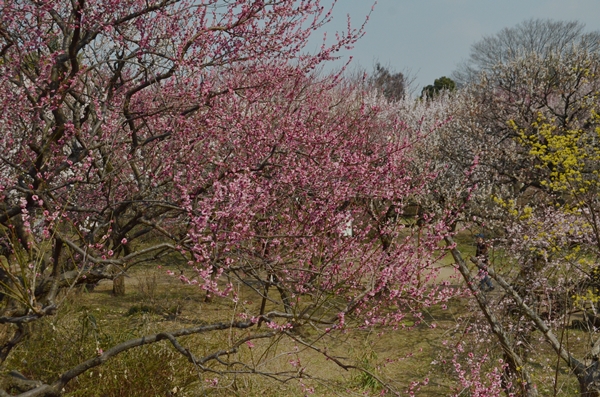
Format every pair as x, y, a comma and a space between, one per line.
539, 36
390, 84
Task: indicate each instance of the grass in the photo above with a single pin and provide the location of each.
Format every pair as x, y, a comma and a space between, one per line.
92, 321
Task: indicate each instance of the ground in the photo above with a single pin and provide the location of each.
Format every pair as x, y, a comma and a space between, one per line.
91, 321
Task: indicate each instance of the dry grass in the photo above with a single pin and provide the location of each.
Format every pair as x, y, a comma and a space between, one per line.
155, 302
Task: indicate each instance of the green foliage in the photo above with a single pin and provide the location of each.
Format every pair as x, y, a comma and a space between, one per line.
366, 378
443, 83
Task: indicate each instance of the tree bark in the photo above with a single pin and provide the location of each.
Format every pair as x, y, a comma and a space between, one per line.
515, 364
119, 285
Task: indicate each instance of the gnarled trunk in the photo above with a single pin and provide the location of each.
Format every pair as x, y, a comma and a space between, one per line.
119, 285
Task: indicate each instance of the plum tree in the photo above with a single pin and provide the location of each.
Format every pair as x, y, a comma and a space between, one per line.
538, 113
201, 125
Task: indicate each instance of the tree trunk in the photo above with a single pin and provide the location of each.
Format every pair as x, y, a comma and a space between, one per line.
588, 375
589, 381
516, 371
119, 285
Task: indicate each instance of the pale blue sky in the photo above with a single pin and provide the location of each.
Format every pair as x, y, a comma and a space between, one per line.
429, 38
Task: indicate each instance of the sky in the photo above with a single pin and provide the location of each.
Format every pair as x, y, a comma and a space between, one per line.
427, 39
